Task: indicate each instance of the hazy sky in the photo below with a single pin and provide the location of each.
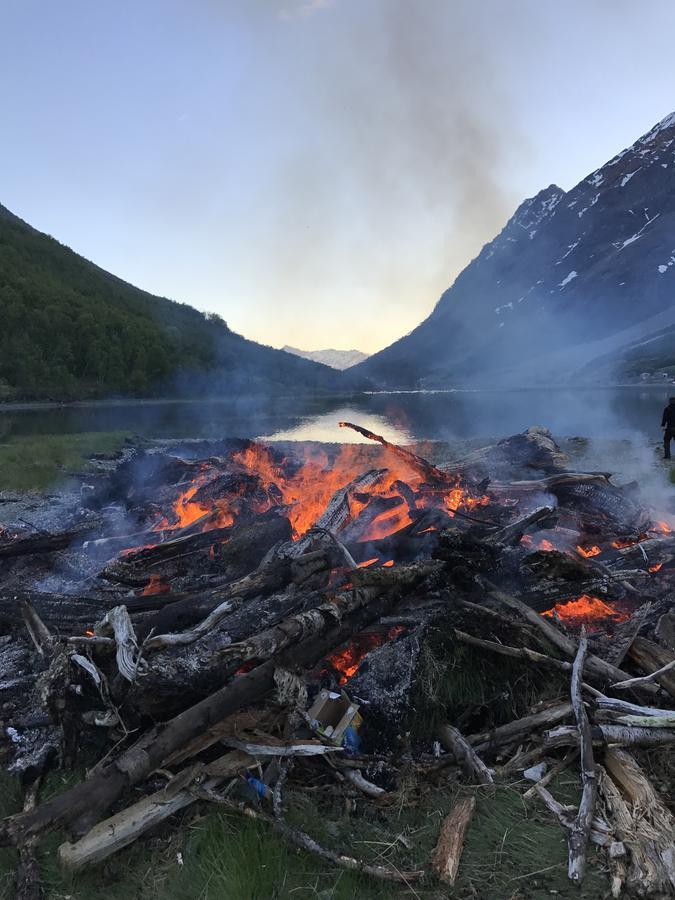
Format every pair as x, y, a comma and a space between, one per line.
316, 171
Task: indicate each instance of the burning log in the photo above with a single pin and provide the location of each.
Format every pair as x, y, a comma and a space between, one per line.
597, 666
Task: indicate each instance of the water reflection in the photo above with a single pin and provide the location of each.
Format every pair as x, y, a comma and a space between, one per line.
399, 417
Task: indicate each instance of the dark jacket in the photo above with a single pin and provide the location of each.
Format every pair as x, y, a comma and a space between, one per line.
668, 420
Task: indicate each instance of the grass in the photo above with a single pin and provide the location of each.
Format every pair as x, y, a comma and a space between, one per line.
36, 462
512, 850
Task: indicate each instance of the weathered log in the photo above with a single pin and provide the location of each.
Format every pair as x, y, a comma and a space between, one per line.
448, 851
88, 801
623, 735
455, 742
642, 823
652, 658
581, 827
125, 827
519, 728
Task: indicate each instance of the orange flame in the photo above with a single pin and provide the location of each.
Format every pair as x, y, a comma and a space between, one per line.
587, 552
347, 661
585, 610
662, 528
656, 568
156, 586
305, 487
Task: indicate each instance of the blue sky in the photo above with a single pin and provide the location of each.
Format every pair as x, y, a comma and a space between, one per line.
316, 171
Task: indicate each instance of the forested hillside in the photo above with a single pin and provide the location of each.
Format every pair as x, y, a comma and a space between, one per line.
71, 330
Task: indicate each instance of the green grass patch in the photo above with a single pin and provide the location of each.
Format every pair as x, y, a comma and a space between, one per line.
36, 462
512, 850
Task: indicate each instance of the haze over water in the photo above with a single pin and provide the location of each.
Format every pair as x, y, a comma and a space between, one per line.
399, 417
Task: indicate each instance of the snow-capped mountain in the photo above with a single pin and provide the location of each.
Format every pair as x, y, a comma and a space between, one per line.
570, 276
335, 359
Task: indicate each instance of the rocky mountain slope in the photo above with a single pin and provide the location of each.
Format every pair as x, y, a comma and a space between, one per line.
336, 359
72, 330
572, 275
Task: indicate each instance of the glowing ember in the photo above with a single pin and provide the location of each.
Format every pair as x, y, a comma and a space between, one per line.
348, 660
622, 543
587, 552
544, 543
388, 564
368, 562
585, 610
656, 568
155, 586
661, 528
90, 633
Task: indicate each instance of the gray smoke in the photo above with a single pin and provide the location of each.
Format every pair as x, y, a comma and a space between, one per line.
402, 181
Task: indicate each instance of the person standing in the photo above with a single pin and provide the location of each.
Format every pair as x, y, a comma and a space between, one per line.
668, 423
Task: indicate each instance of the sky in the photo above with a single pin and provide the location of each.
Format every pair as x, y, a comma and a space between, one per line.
315, 171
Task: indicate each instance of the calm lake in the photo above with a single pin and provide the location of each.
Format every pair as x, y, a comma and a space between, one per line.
402, 417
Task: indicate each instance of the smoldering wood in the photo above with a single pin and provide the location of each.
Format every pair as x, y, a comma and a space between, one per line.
595, 665
512, 533
88, 801
43, 542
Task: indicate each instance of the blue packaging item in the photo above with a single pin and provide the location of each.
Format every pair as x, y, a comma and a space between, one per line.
258, 786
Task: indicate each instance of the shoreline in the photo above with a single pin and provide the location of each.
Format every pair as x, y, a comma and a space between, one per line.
7, 406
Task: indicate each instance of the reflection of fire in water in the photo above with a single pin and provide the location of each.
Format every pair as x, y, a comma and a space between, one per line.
348, 660
585, 610
156, 585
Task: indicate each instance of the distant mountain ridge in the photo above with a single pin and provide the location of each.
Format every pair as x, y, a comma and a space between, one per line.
572, 274
71, 330
336, 359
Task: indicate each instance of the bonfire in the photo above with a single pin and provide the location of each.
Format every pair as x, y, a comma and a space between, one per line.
220, 622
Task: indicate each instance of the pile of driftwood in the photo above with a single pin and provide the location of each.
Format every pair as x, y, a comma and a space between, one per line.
217, 615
